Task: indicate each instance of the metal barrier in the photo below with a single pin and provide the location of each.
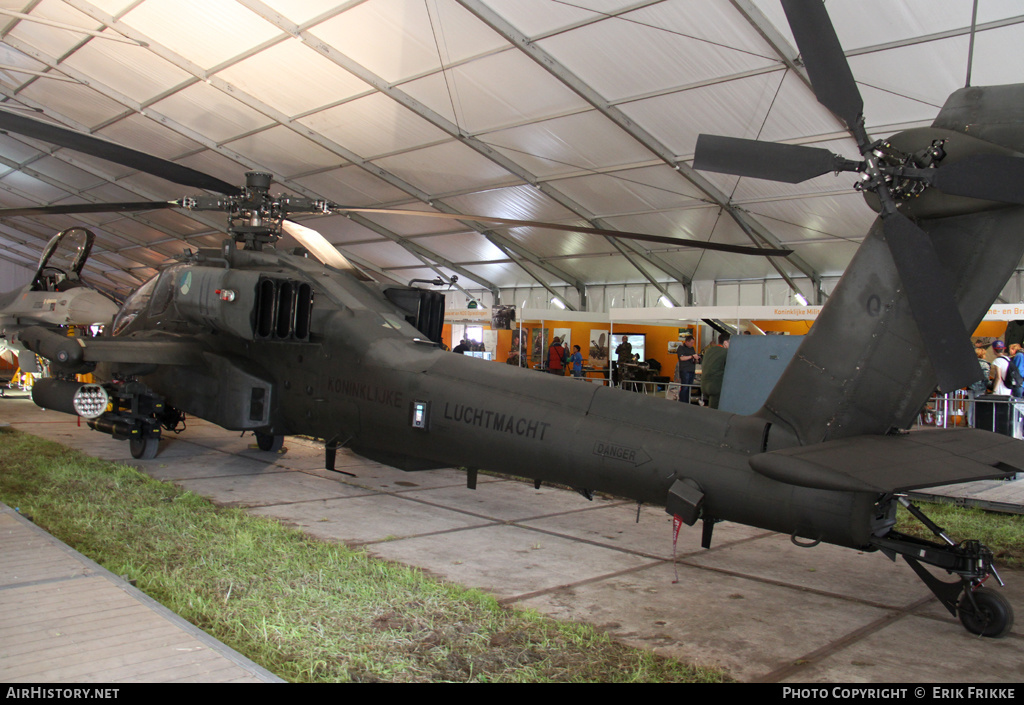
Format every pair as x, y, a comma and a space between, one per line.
675, 389
990, 412
603, 381
635, 385
641, 386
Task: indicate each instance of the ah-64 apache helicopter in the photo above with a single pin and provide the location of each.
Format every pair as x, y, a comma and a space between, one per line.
276, 343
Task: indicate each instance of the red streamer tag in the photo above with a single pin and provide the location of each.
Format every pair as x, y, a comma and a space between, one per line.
676, 524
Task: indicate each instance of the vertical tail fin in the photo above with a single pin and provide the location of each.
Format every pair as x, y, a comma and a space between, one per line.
862, 369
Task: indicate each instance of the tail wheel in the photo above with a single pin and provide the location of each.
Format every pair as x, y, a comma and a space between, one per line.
986, 613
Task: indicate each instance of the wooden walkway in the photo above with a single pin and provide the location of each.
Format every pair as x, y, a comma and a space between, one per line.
990, 495
65, 619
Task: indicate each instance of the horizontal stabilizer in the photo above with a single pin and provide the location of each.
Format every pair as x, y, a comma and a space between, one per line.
895, 463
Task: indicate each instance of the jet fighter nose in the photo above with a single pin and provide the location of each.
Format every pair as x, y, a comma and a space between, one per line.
86, 307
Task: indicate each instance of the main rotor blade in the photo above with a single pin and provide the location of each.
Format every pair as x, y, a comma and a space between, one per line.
790, 163
74, 208
932, 305
825, 60
993, 177
315, 242
87, 144
624, 234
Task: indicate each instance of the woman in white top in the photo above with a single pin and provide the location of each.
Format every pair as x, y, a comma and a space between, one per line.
998, 371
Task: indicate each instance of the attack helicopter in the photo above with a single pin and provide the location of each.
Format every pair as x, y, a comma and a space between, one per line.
56, 295
257, 338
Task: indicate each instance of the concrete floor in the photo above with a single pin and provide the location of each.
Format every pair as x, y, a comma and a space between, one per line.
754, 603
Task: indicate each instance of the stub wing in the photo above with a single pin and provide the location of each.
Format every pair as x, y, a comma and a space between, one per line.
895, 463
72, 353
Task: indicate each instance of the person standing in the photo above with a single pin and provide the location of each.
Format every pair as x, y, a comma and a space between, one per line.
556, 357
1016, 370
1015, 381
998, 370
980, 387
577, 361
624, 353
712, 370
686, 367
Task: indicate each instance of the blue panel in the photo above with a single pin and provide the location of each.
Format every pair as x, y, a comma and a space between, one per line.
754, 365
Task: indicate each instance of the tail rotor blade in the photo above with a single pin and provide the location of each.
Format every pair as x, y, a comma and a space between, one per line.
925, 282
993, 177
825, 60
766, 160
932, 305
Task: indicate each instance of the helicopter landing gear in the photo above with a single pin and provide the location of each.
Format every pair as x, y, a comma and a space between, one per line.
144, 448
982, 612
268, 441
985, 613
136, 415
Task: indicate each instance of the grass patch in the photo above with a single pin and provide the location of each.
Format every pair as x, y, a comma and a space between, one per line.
1002, 533
307, 610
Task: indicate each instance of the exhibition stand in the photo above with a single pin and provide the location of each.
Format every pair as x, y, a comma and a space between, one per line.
654, 332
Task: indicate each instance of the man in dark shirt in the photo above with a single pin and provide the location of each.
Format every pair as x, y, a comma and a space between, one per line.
687, 366
712, 370
624, 353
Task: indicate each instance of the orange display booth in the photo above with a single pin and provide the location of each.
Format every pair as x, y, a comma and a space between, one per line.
659, 330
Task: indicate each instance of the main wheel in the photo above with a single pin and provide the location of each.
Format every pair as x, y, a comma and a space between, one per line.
269, 442
144, 448
992, 618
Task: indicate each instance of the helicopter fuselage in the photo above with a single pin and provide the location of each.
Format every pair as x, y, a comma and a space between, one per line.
359, 375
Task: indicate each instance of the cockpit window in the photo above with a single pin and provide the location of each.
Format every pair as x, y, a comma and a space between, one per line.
133, 305
164, 291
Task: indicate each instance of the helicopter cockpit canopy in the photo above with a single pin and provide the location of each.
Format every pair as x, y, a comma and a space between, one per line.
136, 303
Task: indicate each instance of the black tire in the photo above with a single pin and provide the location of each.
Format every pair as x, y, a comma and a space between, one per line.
269, 442
993, 617
144, 448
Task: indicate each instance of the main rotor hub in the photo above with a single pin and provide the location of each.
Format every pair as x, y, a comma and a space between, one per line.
254, 216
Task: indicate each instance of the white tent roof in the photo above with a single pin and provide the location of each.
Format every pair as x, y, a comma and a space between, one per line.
531, 109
